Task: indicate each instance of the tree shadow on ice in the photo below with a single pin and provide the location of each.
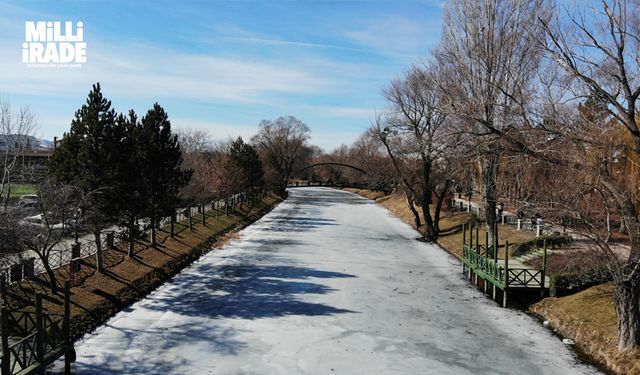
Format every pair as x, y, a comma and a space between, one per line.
298, 223
270, 244
247, 292
157, 349
328, 198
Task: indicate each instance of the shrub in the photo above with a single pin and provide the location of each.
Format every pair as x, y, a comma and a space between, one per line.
569, 282
538, 242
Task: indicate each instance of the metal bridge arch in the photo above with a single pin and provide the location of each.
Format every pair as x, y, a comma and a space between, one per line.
329, 163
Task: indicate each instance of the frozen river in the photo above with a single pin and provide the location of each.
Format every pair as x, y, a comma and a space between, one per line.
327, 283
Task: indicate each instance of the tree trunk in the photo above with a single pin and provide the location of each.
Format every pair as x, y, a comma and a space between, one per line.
440, 201
627, 280
132, 237
623, 226
99, 257
173, 223
52, 277
153, 231
627, 298
431, 233
416, 215
609, 230
491, 193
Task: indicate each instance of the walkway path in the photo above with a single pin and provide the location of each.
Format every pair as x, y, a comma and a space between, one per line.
327, 283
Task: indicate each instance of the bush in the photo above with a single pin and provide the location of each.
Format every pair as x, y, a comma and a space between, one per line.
569, 282
538, 242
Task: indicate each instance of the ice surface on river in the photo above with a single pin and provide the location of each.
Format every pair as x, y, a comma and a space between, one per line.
327, 283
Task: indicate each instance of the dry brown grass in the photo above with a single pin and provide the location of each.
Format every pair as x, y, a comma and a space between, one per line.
589, 318
374, 195
450, 222
125, 280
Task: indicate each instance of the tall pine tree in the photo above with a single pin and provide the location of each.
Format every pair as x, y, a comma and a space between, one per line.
160, 155
129, 181
87, 158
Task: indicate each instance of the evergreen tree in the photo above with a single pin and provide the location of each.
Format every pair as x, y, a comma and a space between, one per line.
160, 155
87, 158
128, 182
245, 165
243, 169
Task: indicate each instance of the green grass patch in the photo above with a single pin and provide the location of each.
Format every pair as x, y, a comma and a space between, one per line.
18, 190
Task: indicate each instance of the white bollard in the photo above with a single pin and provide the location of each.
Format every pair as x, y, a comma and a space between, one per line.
538, 228
519, 224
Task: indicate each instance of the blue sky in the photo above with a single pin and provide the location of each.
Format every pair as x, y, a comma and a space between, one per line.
222, 66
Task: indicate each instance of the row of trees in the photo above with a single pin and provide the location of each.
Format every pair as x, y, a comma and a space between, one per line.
114, 169
122, 168
527, 101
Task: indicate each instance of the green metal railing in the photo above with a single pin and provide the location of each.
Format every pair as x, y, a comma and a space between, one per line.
31, 340
482, 261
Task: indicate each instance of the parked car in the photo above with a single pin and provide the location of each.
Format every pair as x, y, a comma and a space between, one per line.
28, 198
38, 221
29, 208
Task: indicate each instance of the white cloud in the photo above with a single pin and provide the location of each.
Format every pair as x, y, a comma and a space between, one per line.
290, 43
143, 70
397, 35
341, 112
216, 130
328, 140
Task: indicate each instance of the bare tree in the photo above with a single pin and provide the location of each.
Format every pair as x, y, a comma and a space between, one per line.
401, 165
597, 45
488, 51
416, 115
368, 153
59, 204
281, 143
197, 153
17, 129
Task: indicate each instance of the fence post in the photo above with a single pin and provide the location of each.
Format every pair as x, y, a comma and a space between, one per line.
75, 250
544, 268
39, 329
506, 274
538, 227
204, 217
28, 269
66, 327
173, 223
15, 272
6, 353
110, 236
75, 265
3, 288
471, 237
519, 224
189, 217
464, 240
